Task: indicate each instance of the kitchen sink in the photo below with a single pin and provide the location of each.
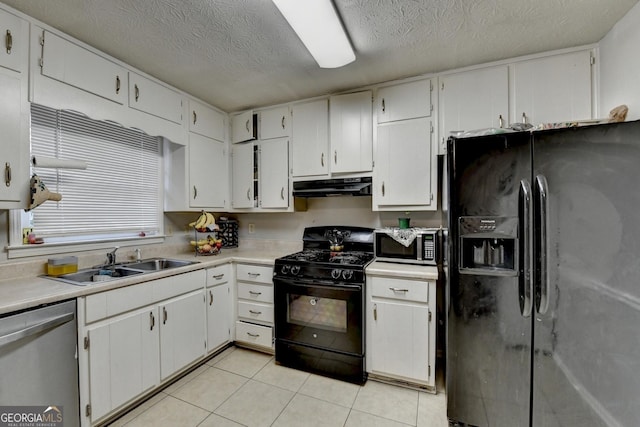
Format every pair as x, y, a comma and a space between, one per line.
157, 264
107, 273
93, 275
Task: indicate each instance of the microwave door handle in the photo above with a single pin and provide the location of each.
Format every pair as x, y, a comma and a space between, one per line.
542, 280
525, 287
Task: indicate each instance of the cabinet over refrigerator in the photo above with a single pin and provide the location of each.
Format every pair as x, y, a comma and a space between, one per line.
543, 298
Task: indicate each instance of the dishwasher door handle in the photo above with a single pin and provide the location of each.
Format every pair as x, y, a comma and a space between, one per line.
38, 327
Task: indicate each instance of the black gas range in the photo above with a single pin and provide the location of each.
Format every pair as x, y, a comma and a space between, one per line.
319, 302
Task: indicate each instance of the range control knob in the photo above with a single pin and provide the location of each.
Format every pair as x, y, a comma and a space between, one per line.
295, 269
285, 269
347, 274
335, 274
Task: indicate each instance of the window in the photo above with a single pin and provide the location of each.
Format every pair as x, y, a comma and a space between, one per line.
119, 195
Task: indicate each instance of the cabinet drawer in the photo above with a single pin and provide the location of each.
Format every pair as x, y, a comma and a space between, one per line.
255, 292
262, 313
218, 275
400, 289
254, 334
255, 273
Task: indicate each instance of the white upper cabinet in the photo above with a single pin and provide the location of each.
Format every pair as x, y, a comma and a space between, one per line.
153, 98
310, 138
404, 101
206, 121
274, 123
552, 89
244, 174
207, 172
274, 173
474, 99
14, 41
74, 65
243, 127
351, 132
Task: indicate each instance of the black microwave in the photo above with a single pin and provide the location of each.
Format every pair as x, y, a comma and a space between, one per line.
410, 246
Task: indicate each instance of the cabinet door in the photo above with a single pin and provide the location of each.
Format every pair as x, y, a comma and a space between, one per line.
207, 172
123, 360
400, 340
351, 132
475, 99
206, 121
274, 123
310, 138
14, 44
153, 98
79, 67
405, 166
14, 143
182, 334
404, 101
274, 173
218, 316
552, 89
242, 164
242, 127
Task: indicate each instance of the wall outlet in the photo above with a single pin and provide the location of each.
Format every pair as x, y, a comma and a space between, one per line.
252, 228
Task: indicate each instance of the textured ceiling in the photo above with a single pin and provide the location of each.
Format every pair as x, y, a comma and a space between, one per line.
239, 54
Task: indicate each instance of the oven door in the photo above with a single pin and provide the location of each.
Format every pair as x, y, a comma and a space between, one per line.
325, 316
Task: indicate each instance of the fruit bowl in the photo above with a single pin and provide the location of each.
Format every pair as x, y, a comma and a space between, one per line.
207, 250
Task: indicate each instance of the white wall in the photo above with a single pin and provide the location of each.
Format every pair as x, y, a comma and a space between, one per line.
620, 66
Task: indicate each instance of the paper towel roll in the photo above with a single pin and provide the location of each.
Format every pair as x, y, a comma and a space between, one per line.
52, 162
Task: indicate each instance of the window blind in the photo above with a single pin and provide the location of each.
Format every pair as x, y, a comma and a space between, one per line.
120, 191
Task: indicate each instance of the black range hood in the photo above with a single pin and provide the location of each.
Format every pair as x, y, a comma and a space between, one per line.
333, 187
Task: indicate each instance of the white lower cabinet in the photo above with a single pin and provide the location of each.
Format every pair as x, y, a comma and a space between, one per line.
134, 338
254, 326
401, 329
218, 300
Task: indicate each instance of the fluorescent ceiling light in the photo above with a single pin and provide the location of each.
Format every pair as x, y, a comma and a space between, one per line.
317, 24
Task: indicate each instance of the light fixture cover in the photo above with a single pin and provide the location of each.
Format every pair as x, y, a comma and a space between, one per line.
317, 24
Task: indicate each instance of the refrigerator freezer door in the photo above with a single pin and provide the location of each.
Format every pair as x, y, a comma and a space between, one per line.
488, 338
587, 343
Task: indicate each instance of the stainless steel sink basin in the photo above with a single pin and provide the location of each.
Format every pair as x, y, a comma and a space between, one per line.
157, 264
93, 275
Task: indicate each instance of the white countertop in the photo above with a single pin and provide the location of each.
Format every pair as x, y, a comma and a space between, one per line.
406, 271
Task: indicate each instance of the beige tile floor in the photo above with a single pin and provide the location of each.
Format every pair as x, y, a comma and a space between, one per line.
241, 387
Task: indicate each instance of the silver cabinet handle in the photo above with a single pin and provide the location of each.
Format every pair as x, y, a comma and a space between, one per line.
255, 312
501, 121
382, 188
253, 335
248, 194
375, 312
255, 293
282, 193
398, 290
542, 292
383, 106
195, 192
195, 117
253, 274
218, 276
282, 122
38, 327
117, 85
524, 118
7, 174
247, 125
322, 159
152, 321
335, 157
210, 298
164, 315
136, 90
8, 40
524, 276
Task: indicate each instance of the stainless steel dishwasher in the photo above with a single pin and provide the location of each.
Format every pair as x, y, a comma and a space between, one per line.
38, 360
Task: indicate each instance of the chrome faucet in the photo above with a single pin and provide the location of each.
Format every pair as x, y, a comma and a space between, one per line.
138, 254
111, 257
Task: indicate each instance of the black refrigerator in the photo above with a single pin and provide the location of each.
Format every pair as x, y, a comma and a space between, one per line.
543, 294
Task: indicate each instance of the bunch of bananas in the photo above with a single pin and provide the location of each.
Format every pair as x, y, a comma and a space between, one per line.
205, 221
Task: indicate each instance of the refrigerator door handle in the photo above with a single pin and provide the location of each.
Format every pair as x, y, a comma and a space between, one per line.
542, 281
525, 288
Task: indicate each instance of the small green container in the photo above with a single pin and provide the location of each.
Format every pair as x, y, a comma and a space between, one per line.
403, 222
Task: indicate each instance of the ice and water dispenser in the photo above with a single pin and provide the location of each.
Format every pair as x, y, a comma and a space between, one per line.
488, 245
